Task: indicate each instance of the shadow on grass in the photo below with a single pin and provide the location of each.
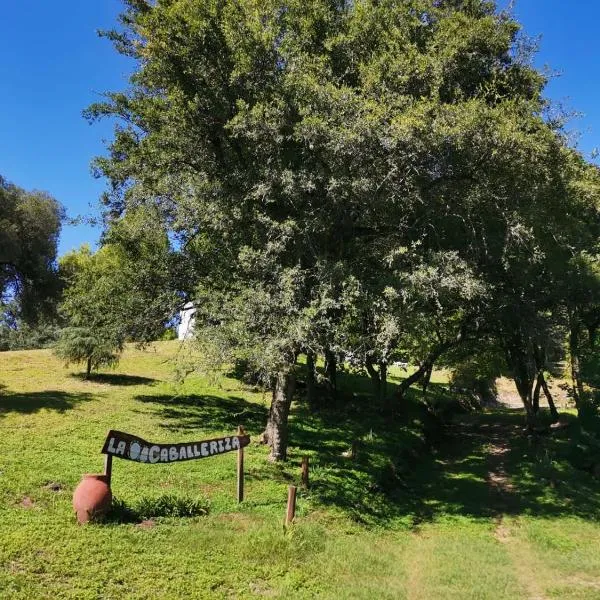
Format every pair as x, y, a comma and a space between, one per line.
114, 379
413, 467
35, 401
487, 466
202, 412
357, 454
383, 463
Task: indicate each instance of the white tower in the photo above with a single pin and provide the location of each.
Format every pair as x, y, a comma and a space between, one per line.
186, 325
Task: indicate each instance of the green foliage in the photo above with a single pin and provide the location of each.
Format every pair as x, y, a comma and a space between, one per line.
171, 505
336, 136
165, 505
95, 335
28, 337
169, 334
16, 333
29, 228
87, 345
363, 178
115, 294
475, 368
332, 129
148, 277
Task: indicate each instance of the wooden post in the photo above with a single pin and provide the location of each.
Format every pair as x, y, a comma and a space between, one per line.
240, 469
108, 468
291, 505
305, 471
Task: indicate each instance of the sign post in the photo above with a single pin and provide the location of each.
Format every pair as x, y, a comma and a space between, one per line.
240, 468
130, 447
305, 471
108, 468
93, 495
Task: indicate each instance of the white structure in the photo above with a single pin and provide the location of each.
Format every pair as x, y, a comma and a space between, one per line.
185, 330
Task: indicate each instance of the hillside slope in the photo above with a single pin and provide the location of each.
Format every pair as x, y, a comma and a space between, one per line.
483, 514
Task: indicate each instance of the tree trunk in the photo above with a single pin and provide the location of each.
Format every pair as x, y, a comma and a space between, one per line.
524, 387
546, 389
310, 378
276, 432
525, 369
421, 372
88, 371
429, 362
575, 366
406, 383
486, 390
536, 395
427, 378
382, 381
374, 375
331, 371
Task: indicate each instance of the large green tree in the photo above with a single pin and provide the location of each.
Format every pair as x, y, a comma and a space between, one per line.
30, 224
297, 150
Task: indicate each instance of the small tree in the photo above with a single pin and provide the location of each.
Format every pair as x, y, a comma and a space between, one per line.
89, 346
95, 334
119, 293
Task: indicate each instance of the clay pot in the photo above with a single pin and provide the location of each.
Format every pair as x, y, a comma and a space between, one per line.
92, 498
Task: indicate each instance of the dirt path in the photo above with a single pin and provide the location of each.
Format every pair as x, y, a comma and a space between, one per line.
416, 563
494, 520
504, 497
501, 488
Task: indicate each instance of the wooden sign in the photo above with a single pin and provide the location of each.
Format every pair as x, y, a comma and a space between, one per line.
130, 447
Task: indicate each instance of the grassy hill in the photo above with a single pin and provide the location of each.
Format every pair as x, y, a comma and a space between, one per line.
479, 512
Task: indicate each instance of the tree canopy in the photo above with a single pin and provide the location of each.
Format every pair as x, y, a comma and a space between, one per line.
368, 177
119, 293
30, 224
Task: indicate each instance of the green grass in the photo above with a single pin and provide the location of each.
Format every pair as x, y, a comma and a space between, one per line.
479, 512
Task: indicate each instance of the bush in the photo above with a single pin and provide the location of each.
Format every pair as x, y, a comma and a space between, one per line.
168, 335
166, 505
28, 337
477, 375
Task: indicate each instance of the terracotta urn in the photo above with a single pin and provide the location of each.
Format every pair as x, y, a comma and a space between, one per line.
92, 498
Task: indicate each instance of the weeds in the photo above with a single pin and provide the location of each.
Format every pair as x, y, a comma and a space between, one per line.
165, 505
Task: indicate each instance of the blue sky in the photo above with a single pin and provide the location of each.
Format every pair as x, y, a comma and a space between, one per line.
54, 65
